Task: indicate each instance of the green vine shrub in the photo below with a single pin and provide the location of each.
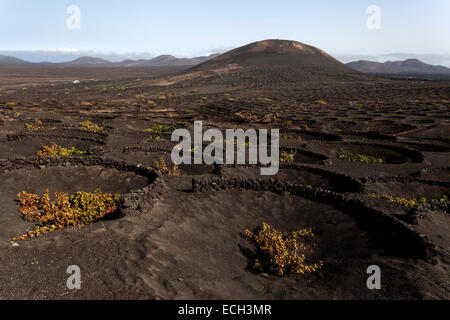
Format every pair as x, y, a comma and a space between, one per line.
54, 150
282, 254
66, 210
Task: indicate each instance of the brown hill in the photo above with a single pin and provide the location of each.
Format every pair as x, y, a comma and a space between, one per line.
278, 61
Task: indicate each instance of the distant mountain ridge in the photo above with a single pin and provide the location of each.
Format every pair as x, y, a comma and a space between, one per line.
12, 61
409, 66
279, 50
86, 61
166, 60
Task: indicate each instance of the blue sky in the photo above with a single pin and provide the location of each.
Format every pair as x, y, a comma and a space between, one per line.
197, 27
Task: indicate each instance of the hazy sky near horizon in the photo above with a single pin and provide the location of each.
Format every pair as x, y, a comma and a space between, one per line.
198, 27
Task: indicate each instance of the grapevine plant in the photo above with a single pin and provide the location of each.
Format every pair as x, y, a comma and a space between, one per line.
288, 156
354, 157
408, 203
37, 125
162, 167
54, 150
66, 210
91, 127
282, 254
160, 128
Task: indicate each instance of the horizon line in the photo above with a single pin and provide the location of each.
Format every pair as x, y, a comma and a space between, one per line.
120, 56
